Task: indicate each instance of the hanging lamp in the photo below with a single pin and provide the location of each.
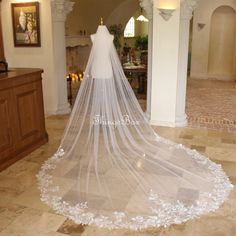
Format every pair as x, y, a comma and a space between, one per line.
142, 17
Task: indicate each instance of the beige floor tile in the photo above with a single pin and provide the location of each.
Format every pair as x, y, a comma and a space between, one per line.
23, 214
233, 180
229, 168
69, 228
52, 234
227, 146
20, 168
33, 223
8, 213
55, 234
11, 183
7, 195
224, 154
31, 198
42, 154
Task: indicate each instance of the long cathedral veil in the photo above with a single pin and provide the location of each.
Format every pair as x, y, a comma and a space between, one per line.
112, 170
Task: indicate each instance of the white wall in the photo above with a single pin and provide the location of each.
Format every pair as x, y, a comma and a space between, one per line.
165, 68
201, 37
40, 57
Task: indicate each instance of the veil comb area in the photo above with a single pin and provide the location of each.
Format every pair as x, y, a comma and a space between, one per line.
112, 170
101, 23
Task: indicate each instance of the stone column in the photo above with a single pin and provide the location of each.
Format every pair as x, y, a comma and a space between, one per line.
60, 9
165, 57
147, 5
186, 13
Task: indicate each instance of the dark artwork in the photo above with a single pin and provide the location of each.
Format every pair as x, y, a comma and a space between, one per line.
25, 19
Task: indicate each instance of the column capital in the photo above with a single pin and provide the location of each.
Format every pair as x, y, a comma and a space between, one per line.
147, 5
187, 8
60, 9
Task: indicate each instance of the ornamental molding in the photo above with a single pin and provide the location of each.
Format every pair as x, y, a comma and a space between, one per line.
147, 6
186, 9
60, 9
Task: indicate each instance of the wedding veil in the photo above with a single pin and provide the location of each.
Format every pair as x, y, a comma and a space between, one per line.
112, 170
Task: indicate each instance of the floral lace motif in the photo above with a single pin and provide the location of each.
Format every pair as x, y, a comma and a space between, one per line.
165, 213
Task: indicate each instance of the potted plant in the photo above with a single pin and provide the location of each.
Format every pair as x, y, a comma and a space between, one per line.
141, 43
117, 31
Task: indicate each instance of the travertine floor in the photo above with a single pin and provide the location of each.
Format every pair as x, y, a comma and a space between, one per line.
23, 214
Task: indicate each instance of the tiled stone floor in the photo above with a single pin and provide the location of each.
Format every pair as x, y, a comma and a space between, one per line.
211, 104
23, 214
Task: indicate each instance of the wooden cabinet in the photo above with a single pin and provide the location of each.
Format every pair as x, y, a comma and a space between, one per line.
6, 131
22, 123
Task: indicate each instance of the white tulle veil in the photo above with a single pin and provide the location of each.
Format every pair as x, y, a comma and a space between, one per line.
112, 170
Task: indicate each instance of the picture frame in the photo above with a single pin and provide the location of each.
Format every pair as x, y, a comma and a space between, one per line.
26, 24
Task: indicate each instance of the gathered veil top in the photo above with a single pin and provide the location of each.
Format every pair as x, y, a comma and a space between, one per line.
101, 67
112, 170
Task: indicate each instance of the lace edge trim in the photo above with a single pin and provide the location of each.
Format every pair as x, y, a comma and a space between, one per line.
174, 213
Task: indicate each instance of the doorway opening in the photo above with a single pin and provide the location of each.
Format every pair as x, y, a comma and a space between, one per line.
211, 91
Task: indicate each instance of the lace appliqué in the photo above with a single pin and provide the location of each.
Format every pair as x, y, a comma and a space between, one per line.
164, 213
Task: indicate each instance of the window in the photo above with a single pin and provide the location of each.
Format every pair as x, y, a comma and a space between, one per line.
130, 28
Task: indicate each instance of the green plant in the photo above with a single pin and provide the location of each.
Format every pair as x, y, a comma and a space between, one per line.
141, 42
117, 31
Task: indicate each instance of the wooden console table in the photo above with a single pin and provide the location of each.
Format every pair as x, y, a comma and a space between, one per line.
22, 122
140, 73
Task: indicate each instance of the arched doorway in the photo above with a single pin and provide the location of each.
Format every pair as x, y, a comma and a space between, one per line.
135, 56
122, 15
211, 91
222, 49
135, 36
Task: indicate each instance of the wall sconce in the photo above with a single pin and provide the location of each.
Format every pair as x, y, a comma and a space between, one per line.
166, 13
200, 26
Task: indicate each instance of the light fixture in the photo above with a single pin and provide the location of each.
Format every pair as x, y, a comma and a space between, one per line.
142, 17
200, 26
166, 13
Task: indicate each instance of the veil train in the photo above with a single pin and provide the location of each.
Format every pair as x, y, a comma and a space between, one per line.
112, 170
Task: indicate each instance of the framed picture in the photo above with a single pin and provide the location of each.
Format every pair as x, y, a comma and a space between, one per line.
26, 28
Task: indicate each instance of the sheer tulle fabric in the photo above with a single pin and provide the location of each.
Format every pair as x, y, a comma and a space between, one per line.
112, 170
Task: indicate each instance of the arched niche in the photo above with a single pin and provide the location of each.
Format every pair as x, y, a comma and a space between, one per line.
222, 46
